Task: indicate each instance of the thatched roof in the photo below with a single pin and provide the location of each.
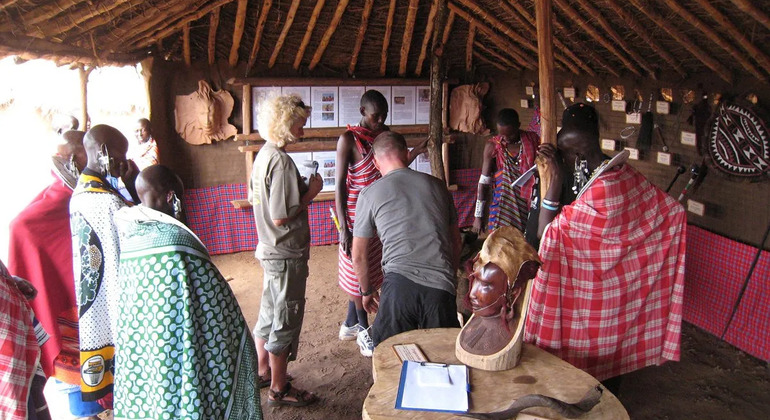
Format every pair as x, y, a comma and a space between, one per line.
637, 38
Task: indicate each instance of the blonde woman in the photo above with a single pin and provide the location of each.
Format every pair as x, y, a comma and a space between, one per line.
280, 198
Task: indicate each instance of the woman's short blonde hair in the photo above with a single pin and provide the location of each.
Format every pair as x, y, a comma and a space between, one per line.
276, 116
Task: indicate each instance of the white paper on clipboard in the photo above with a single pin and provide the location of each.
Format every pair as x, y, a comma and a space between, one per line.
520, 181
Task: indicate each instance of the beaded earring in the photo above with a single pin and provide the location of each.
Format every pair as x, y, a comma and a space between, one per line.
581, 175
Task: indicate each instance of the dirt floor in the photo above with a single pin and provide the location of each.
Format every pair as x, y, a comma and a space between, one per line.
712, 381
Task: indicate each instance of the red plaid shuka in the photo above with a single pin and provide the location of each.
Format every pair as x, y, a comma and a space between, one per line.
608, 297
19, 351
510, 205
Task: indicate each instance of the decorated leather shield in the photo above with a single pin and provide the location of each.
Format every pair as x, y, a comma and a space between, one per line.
737, 142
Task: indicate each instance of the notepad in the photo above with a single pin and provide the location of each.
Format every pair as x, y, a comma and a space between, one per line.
433, 387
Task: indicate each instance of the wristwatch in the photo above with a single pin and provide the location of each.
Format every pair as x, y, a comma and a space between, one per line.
367, 293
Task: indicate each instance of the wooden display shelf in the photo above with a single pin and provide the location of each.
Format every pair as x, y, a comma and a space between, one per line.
323, 196
335, 132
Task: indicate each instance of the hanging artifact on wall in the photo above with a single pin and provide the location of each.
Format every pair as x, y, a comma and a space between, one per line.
737, 142
201, 117
465, 108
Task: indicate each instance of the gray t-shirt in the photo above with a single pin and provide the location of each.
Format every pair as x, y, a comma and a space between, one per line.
276, 191
412, 213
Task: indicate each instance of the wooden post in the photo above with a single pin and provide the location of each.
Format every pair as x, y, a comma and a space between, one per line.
544, 15
406, 43
435, 137
386, 40
246, 109
83, 73
186, 44
212, 39
240, 22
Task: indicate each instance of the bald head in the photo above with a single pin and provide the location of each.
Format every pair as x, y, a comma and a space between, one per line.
104, 136
71, 147
390, 151
156, 186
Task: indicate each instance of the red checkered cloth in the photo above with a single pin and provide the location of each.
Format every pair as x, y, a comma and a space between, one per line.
19, 351
608, 298
716, 269
467, 181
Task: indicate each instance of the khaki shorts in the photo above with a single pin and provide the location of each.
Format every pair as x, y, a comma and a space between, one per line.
283, 305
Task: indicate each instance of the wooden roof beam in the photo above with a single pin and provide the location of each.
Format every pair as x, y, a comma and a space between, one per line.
360, 36
737, 34
186, 44
715, 38
426, 38
134, 29
263, 12
522, 16
448, 28
488, 61
7, 4
747, 7
40, 14
585, 48
32, 48
151, 38
319, 52
386, 39
643, 33
240, 26
308, 33
406, 42
594, 13
499, 57
212, 39
68, 21
587, 27
469, 47
95, 21
682, 39
512, 50
497, 24
285, 31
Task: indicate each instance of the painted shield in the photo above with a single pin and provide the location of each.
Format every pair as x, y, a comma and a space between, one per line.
737, 142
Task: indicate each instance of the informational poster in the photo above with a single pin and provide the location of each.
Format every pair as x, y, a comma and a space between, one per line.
350, 105
302, 91
422, 108
385, 91
327, 167
421, 163
403, 105
258, 94
325, 106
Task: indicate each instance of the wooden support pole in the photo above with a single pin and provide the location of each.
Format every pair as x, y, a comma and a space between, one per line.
83, 73
212, 40
448, 29
436, 134
683, 40
544, 14
186, 44
386, 40
712, 35
246, 109
360, 36
281, 38
319, 52
308, 33
644, 33
586, 26
499, 58
406, 43
469, 47
737, 34
240, 21
426, 38
747, 7
263, 12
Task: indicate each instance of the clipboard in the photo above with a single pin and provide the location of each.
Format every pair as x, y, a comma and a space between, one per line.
426, 386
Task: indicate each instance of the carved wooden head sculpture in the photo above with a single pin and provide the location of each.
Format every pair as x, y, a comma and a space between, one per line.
498, 293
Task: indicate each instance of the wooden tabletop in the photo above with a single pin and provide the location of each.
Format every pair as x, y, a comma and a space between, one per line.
538, 373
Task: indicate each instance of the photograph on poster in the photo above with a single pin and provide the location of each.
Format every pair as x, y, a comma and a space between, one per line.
327, 97
324, 102
328, 107
423, 94
422, 111
328, 182
327, 116
330, 173
329, 163
403, 109
399, 100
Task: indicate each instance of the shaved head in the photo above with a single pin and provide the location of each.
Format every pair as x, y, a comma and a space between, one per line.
374, 98
100, 136
389, 143
156, 186
71, 147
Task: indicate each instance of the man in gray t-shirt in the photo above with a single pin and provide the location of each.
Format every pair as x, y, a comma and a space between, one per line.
415, 218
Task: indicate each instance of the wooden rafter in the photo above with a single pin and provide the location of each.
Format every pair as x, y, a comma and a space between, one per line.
715, 38
263, 12
41, 14
511, 49
155, 36
595, 15
426, 38
360, 36
492, 53
587, 49
737, 34
587, 27
488, 17
643, 33
186, 44
683, 40
406, 43
69, 20
240, 26
94, 22
527, 21
281, 38
212, 40
747, 7
386, 39
30, 48
469, 47
140, 25
488, 61
448, 28
7, 4
319, 52
308, 32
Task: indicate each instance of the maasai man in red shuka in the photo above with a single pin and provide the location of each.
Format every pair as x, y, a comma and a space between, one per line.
608, 297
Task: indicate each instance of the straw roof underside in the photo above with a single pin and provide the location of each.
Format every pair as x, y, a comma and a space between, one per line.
636, 38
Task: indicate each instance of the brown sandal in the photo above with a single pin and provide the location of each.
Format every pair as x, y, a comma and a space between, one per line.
302, 398
265, 381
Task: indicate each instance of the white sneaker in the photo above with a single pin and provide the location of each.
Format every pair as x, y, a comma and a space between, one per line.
349, 333
365, 343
